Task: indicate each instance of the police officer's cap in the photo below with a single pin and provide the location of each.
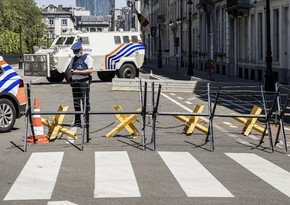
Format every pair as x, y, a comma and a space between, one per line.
76, 46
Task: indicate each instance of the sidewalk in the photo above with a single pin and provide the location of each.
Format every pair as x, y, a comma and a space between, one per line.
181, 74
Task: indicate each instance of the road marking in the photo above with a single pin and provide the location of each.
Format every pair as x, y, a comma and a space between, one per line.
254, 137
230, 124
60, 203
38, 177
192, 98
194, 179
267, 171
69, 139
281, 144
114, 176
173, 94
179, 98
187, 102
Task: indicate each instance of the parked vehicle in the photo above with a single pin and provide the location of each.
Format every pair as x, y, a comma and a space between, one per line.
114, 53
12, 96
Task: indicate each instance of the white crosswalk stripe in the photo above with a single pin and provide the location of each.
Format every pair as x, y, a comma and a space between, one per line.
269, 172
34, 182
114, 176
194, 178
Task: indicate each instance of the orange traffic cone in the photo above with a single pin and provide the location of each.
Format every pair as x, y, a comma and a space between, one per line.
37, 127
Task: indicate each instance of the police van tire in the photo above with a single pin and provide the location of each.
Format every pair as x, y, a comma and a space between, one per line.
7, 115
128, 71
55, 77
118, 73
106, 76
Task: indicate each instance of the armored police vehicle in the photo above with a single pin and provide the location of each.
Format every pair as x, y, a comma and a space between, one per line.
114, 53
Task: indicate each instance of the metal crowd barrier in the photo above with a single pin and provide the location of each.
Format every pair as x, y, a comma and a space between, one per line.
283, 111
254, 98
251, 95
85, 113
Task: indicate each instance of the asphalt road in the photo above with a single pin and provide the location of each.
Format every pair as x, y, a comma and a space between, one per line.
182, 170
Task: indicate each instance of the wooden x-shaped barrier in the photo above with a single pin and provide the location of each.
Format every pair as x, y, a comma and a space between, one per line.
250, 123
55, 127
125, 122
192, 122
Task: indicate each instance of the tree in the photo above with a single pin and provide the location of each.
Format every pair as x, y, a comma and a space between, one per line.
31, 24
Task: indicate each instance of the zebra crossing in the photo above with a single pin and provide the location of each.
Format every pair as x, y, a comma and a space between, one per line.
115, 176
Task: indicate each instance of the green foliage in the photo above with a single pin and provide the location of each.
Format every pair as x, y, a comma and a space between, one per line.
16, 15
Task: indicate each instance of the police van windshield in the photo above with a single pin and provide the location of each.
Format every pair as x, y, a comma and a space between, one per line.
65, 40
60, 41
69, 40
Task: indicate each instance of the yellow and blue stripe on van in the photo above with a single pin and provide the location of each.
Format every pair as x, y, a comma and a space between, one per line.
124, 50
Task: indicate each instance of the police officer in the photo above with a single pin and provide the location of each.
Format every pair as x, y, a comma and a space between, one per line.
81, 67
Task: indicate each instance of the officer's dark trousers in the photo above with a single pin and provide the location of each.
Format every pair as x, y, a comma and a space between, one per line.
80, 90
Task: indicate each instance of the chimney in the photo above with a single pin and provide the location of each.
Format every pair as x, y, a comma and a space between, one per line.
59, 8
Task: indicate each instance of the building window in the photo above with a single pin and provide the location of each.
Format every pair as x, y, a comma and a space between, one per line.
240, 33
51, 22
64, 22
253, 37
276, 35
246, 26
63, 31
260, 32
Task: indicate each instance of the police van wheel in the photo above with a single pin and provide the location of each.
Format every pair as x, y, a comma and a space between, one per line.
118, 73
106, 76
128, 71
7, 115
55, 77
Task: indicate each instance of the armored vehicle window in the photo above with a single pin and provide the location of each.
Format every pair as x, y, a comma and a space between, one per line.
60, 41
126, 39
69, 40
84, 40
117, 40
134, 39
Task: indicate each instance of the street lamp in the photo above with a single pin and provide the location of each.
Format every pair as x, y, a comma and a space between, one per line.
37, 35
159, 46
189, 68
20, 46
269, 77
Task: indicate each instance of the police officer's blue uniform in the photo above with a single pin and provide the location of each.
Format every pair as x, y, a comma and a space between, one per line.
80, 83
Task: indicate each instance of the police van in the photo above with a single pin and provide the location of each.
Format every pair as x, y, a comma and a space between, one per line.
114, 53
12, 96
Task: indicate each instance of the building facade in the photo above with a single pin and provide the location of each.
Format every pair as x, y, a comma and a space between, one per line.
97, 7
232, 33
58, 20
